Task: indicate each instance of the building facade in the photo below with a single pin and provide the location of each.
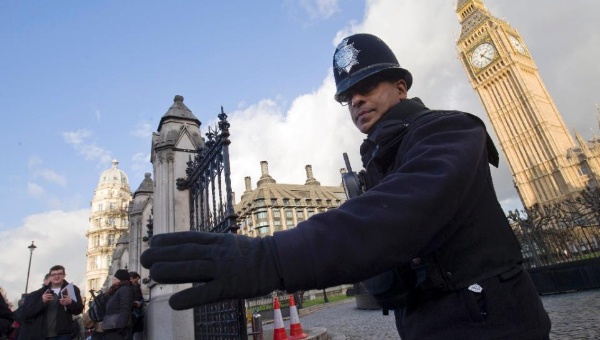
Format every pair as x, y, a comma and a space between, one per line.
272, 207
546, 164
109, 220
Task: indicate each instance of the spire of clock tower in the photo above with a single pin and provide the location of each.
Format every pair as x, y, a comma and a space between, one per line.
473, 10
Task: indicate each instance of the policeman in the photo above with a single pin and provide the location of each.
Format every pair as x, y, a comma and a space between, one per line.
428, 232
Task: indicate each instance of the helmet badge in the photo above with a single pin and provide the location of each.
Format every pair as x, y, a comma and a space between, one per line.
346, 56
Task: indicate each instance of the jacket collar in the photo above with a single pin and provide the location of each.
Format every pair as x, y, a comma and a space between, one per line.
391, 127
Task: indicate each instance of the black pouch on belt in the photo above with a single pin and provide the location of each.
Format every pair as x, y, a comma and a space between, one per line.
392, 288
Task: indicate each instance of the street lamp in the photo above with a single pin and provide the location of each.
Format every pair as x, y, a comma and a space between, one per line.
31, 249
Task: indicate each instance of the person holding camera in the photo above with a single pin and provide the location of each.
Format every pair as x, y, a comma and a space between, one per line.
48, 312
428, 234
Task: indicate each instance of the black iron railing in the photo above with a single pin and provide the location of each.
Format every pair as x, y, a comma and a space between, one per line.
211, 210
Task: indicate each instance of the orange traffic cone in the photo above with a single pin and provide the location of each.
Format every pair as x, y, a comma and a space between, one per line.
279, 330
296, 331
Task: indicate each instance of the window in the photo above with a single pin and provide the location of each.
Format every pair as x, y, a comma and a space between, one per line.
111, 239
262, 215
112, 222
276, 213
100, 207
300, 215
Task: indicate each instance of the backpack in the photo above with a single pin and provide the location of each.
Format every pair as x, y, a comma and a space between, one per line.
97, 307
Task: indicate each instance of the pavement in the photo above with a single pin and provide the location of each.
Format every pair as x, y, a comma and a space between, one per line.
574, 315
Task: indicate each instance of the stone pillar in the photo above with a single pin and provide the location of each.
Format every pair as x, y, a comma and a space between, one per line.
173, 145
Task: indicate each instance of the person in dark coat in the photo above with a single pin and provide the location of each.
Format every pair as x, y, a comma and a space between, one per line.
428, 235
18, 319
48, 312
6, 317
138, 307
119, 305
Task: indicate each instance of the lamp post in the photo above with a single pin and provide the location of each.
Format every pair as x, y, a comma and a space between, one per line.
31, 249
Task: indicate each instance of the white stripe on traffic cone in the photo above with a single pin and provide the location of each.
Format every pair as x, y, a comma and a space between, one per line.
296, 331
279, 331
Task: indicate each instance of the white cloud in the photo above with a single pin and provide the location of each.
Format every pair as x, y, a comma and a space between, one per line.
76, 138
315, 130
35, 190
34, 164
140, 164
51, 176
34, 161
319, 9
60, 239
143, 130
90, 151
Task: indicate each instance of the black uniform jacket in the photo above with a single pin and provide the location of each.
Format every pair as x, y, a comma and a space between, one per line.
435, 199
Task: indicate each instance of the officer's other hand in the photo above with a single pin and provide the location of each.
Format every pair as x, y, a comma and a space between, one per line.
231, 266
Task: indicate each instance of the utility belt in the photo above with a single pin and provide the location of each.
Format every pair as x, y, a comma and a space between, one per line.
421, 280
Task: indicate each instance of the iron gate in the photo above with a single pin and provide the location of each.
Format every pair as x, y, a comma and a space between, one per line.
211, 210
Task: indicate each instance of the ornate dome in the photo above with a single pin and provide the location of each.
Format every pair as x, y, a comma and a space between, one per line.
113, 176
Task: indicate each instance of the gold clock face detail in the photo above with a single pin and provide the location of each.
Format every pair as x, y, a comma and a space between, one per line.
483, 55
517, 45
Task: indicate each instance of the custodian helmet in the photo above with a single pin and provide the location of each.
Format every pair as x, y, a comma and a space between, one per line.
360, 56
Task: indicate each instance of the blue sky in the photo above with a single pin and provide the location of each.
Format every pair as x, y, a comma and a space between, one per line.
85, 82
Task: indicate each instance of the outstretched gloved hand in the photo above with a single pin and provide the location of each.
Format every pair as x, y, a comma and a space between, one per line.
231, 266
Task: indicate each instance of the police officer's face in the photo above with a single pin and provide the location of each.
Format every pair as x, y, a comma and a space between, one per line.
370, 101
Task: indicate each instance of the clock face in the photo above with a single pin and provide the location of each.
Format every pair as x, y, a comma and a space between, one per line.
517, 45
483, 55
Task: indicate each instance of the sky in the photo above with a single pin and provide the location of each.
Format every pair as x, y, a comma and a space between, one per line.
86, 82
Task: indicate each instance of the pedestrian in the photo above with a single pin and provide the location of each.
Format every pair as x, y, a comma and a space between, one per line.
117, 320
48, 312
14, 335
428, 234
6, 318
138, 307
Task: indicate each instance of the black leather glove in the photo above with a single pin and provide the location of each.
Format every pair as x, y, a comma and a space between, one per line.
231, 266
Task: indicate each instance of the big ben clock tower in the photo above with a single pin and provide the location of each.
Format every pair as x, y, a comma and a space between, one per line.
541, 153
